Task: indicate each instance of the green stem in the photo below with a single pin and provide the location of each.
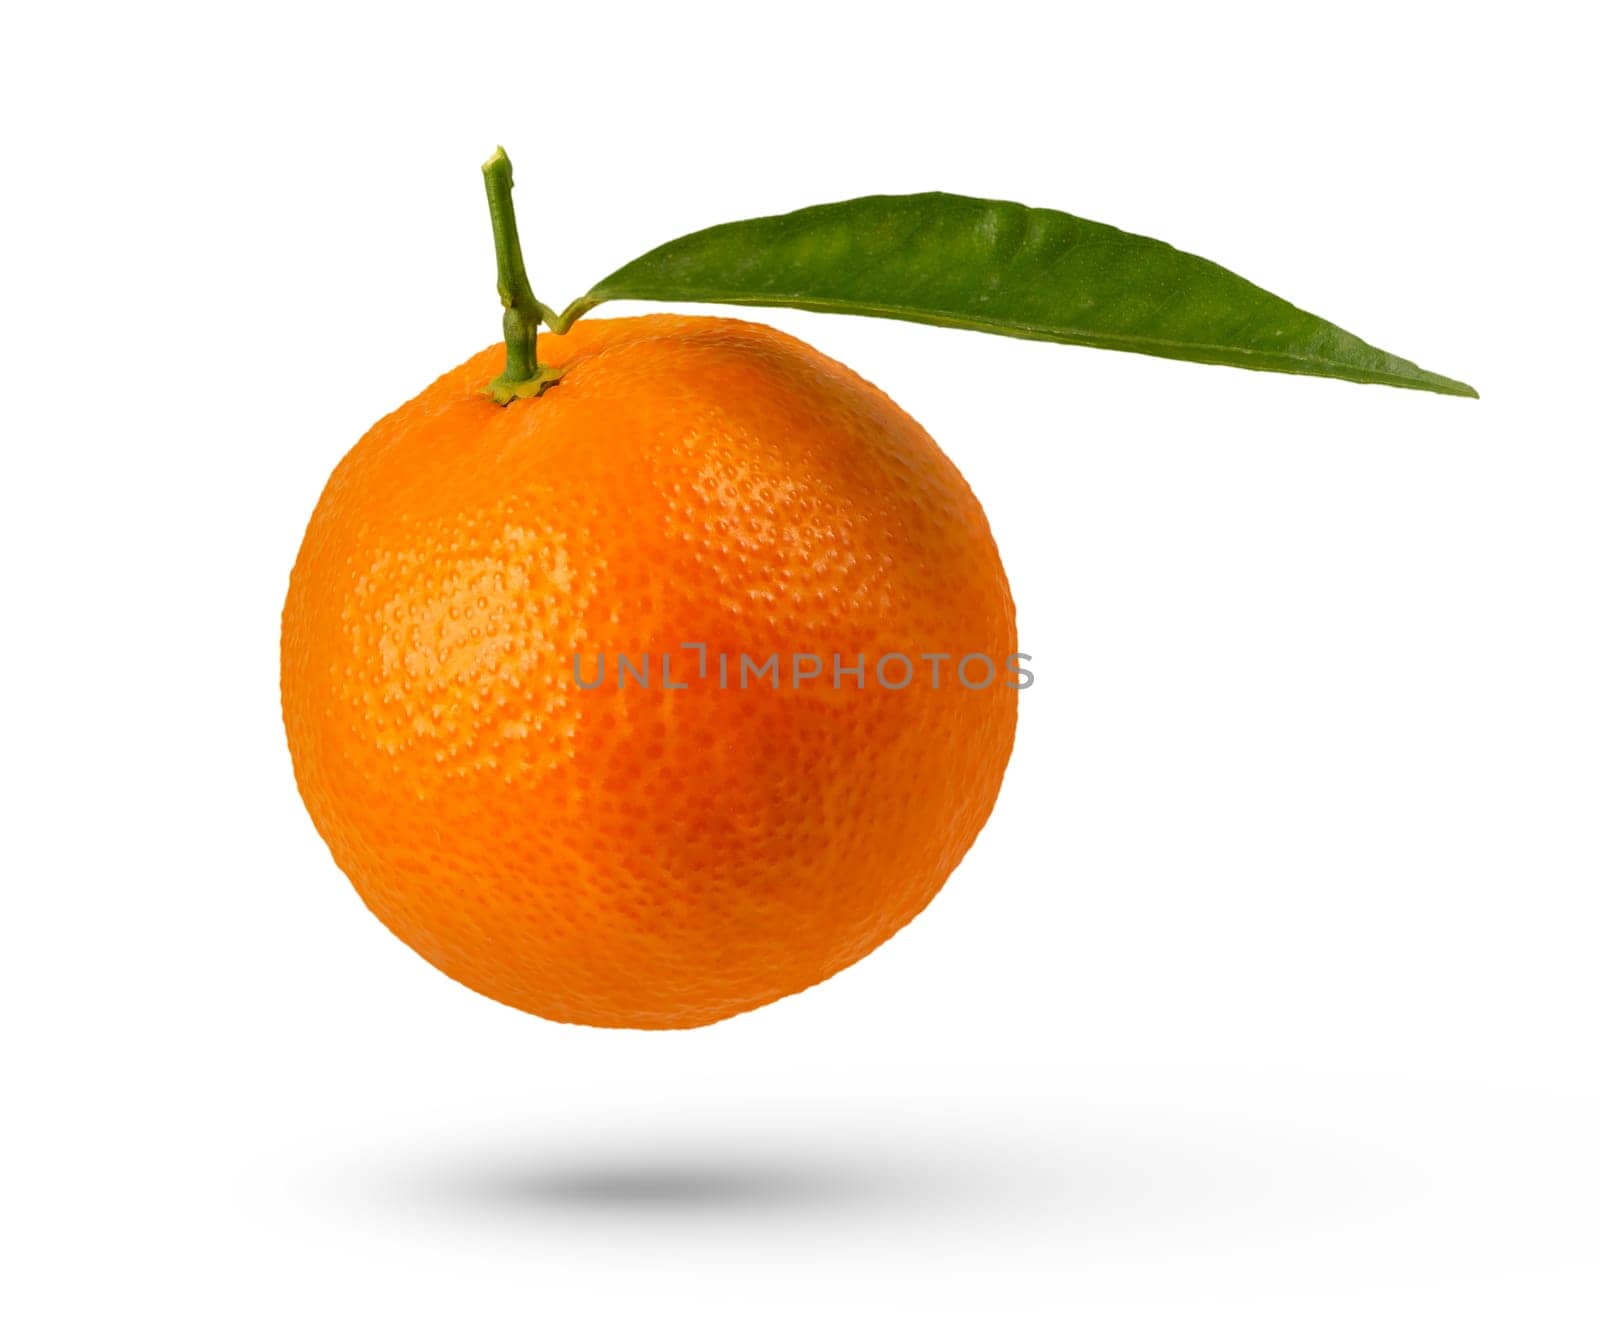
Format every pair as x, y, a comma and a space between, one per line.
524, 377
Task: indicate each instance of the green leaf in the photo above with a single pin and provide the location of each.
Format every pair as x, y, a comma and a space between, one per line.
1004, 268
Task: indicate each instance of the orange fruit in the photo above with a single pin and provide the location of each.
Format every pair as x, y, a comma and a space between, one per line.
667, 854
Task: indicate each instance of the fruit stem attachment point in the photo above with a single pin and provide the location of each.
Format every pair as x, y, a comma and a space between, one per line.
524, 377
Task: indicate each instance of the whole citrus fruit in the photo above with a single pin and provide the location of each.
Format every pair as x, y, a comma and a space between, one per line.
664, 842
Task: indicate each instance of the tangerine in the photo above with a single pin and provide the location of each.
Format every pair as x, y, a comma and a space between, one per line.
632, 846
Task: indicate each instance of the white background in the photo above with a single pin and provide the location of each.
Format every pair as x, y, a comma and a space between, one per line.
1266, 1000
